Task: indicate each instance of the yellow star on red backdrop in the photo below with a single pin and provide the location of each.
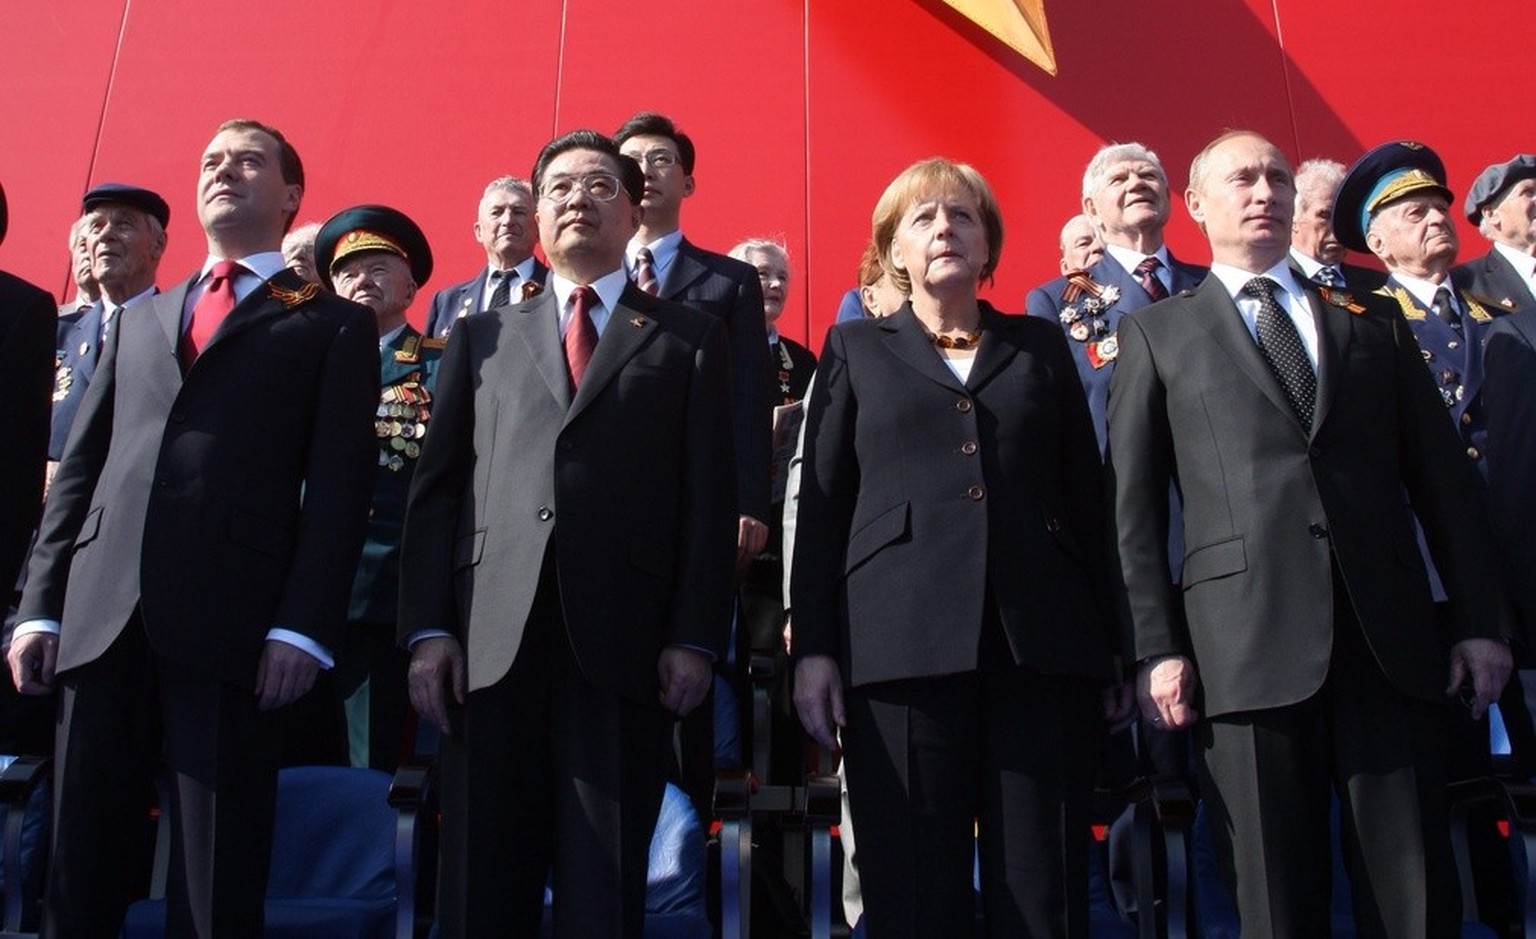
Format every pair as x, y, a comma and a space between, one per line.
1019, 23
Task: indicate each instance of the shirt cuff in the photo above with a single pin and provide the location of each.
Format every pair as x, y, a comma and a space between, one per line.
420, 634
37, 626
303, 643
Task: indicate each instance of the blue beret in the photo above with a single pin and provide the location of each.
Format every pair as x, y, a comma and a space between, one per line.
143, 199
1382, 176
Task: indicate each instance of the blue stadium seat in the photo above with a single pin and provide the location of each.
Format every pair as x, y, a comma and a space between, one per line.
336, 848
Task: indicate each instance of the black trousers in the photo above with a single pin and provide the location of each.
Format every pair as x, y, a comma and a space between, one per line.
1267, 778
999, 761
544, 770
123, 718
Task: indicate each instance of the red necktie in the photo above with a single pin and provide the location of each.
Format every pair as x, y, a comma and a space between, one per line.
211, 308
1146, 274
580, 336
645, 272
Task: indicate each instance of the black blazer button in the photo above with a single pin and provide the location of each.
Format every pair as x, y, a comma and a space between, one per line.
968, 448
1053, 524
976, 493
546, 513
963, 405
1317, 531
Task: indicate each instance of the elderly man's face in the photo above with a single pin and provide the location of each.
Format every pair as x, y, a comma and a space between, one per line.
80, 255
1133, 198
504, 225
125, 247
1514, 217
1415, 234
1312, 230
1081, 246
379, 280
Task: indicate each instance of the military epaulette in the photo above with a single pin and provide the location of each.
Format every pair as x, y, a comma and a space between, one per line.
1404, 299
1340, 299
436, 344
1475, 305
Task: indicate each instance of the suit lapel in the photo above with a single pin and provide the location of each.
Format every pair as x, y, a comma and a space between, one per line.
275, 296
628, 331
685, 269
1185, 276
1219, 316
1333, 337
905, 338
537, 323
167, 309
1510, 291
996, 349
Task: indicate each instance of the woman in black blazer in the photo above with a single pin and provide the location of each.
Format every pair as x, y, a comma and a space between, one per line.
949, 583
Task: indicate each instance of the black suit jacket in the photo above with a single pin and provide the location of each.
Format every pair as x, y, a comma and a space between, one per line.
456, 301
27, 318
631, 478
1269, 508
729, 289
924, 499
221, 503
1509, 390
1493, 278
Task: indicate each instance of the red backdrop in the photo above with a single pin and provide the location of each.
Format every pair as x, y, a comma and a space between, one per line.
801, 111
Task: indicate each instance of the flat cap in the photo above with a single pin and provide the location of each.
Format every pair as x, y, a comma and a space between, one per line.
1382, 176
1491, 183
136, 196
372, 228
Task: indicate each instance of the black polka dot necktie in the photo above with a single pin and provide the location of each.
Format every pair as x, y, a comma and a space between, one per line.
1281, 345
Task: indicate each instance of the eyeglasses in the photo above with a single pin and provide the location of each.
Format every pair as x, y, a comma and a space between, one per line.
600, 187
657, 158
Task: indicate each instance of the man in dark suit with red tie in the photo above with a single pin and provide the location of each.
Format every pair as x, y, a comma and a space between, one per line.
566, 566
1300, 642
193, 566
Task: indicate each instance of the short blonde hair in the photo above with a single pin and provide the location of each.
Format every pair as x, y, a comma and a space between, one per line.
927, 178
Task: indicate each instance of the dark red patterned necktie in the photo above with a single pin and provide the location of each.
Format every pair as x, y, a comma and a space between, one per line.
645, 272
1146, 274
580, 336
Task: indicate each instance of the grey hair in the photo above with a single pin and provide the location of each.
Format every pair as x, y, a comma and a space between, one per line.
1316, 174
768, 245
1098, 167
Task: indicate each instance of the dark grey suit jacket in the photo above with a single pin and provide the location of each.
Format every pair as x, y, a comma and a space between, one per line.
730, 290
632, 479
1269, 508
1509, 391
1491, 277
222, 503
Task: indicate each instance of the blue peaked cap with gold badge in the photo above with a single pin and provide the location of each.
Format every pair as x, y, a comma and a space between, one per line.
372, 228
1382, 176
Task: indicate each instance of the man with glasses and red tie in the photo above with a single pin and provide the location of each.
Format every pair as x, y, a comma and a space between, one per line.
195, 558
566, 566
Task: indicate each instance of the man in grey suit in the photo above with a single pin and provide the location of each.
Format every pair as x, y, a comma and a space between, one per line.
566, 566
1303, 641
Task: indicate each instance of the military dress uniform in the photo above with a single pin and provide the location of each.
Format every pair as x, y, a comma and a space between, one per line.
79, 346
370, 667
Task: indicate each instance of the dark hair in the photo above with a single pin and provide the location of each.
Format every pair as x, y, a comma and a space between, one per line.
288, 161
630, 174
651, 124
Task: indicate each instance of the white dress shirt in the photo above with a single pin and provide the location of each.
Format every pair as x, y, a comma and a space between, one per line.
1288, 294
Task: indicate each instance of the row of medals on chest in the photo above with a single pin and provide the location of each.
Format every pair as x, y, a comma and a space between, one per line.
400, 422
